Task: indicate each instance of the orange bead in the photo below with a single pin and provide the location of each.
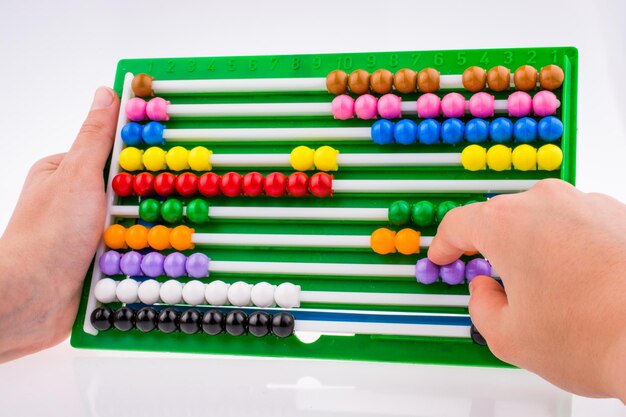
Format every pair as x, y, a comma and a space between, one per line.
180, 238
159, 237
137, 237
114, 237
408, 241
382, 241
470, 253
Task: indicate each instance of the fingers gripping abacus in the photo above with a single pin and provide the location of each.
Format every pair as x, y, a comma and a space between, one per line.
262, 204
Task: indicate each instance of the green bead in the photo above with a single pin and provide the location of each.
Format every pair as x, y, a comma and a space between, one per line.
423, 213
198, 211
443, 208
399, 212
149, 210
172, 210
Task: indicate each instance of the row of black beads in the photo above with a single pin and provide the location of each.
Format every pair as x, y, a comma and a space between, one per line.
192, 321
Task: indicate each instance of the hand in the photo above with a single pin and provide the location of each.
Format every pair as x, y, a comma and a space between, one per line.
561, 254
52, 236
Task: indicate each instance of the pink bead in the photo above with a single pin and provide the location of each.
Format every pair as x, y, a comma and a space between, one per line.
519, 104
389, 106
366, 107
545, 103
453, 105
136, 109
157, 109
481, 104
342, 107
428, 106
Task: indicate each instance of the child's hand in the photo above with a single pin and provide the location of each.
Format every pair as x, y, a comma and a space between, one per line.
52, 236
561, 254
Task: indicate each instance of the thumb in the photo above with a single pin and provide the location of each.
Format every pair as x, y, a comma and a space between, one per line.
486, 306
95, 139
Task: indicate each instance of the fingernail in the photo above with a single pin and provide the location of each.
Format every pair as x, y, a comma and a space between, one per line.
102, 99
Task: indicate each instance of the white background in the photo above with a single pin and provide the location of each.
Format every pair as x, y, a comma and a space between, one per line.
54, 54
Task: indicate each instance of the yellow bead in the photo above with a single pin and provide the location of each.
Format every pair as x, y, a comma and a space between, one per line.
325, 158
549, 157
382, 241
408, 241
200, 159
177, 158
301, 158
130, 159
499, 158
474, 158
154, 159
525, 158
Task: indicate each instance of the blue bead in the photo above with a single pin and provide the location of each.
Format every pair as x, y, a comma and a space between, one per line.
428, 132
382, 132
525, 130
501, 130
153, 133
405, 132
131, 134
550, 129
452, 131
477, 131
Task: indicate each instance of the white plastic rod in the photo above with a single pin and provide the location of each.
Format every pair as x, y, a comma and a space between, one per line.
351, 327
388, 299
305, 268
431, 186
326, 134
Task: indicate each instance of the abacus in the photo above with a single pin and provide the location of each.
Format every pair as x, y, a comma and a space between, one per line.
283, 205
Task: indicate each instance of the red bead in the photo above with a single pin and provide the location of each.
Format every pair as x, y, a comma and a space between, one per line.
298, 184
187, 184
321, 185
165, 184
143, 184
230, 184
209, 184
253, 184
123, 184
275, 184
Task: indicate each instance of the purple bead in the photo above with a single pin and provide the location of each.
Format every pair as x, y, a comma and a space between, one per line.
174, 265
130, 264
426, 272
198, 265
110, 262
475, 267
152, 264
453, 273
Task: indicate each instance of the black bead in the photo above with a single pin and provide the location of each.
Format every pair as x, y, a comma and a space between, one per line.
168, 320
236, 323
213, 322
102, 318
259, 323
190, 321
124, 319
283, 324
477, 337
145, 319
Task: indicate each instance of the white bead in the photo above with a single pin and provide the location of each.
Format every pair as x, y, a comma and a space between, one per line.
239, 294
171, 292
149, 291
287, 295
216, 293
105, 290
262, 294
193, 292
127, 291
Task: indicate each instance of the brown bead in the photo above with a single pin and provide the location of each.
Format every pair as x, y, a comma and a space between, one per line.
499, 78
359, 82
474, 79
405, 81
428, 80
142, 85
551, 77
337, 82
525, 78
381, 81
